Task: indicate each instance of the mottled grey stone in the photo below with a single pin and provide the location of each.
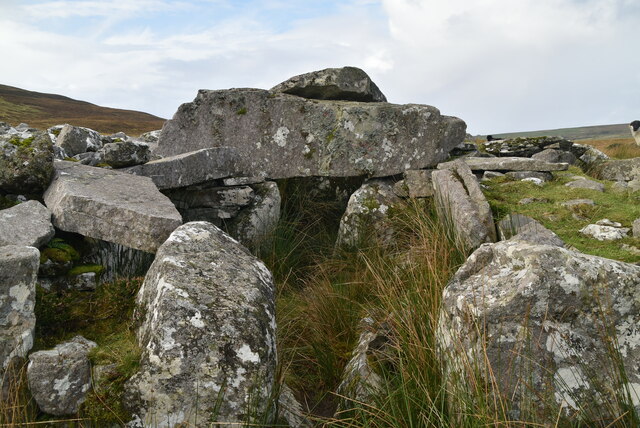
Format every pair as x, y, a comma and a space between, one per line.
284, 136
527, 201
556, 156
111, 206
75, 140
207, 332
18, 274
254, 225
461, 204
190, 168
60, 378
488, 175
88, 158
575, 202
522, 227
584, 183
367, 215
125, 153
604, 232
242, 181
536, 315
513, 164
636, 228
619, 169
418, 183
26, 224
523, 175
26, 163
345, 83
524, 147
591, 157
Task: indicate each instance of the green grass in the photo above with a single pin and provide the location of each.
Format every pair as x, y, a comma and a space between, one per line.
504, 195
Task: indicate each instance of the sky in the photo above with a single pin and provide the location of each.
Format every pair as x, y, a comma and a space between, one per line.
500, 65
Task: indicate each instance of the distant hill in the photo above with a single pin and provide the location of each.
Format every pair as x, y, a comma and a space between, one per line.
44, 110
581, 133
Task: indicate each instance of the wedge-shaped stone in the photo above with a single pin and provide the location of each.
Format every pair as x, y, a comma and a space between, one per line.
207, 333
28, 223
111, 206
190, 168
282, 136
513, 164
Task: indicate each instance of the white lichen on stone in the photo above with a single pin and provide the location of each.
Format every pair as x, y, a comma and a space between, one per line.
280, 137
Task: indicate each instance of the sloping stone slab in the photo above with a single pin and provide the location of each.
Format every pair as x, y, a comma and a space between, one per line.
284, 136
207, 333
543, 317
26, 224
111, 206
461, 203
513, 164
190, 168
346, 84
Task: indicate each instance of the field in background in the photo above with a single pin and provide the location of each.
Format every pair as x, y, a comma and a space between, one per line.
606, 132
44, 110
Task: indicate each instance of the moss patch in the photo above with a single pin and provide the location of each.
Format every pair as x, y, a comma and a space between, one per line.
241, 111
79, 270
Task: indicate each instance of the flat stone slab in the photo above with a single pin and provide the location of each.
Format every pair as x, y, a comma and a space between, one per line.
513, 164
26, 224
584, 183
110, 205
282, 136
190, 168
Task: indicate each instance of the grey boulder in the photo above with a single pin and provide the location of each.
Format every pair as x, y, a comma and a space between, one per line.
26, 163
584, 183
60, 378
620, 169
416, 183
556, 156
534, 316
636, 228
111, 206
75, 140
26, 224
207, 333
283, 136
346, 84
125, 153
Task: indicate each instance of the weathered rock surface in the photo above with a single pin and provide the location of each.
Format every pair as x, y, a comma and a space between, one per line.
346, 84
75, 140
26, 224
604, 231
555, 156
523, 175
536, 314
461, 203
522, 227
60, 378
211, 202
255, 224
584, 183
119, 261
284, 136
620, 169
290, 409
207, 312
367, 215
636, 228
524, 147
417, 183
18, 274
191, 168
26, 163
513, 164
111, 206
125, 153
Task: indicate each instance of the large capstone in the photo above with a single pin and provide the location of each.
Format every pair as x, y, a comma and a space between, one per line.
461, 204
18, 273
60, 378
346, 84
207, 313
28, 224
555, 331
284, 136
26, 163
110, 205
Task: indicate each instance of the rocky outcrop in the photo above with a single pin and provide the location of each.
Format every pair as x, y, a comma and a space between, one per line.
26, 224
111, 206
518, 309
461, 204
366, 219
207, 332
75, 140
18, 273
283, 136
60, 378
26, 163
346, 84
513, 164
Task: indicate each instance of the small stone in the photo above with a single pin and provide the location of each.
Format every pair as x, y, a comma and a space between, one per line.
607, 222
604, 233
522, 175
584, 183
636, 228
488, 175
534, 180
527, 201
577, 202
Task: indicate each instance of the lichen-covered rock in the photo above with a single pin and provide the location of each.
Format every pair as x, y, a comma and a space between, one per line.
110, 205
26, 224
18, 274
513, 164
552, 329
26, 163
207, 333
461, 204
524, 147
190, 168
584, 183
284, 136
346, 84
125, 153
604, 230
591, 157
255, 224
367, 215
556, 156
60, 378
75, 139
522, 227
619, 169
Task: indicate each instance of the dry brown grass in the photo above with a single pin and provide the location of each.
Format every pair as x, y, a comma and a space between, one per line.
617, 148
